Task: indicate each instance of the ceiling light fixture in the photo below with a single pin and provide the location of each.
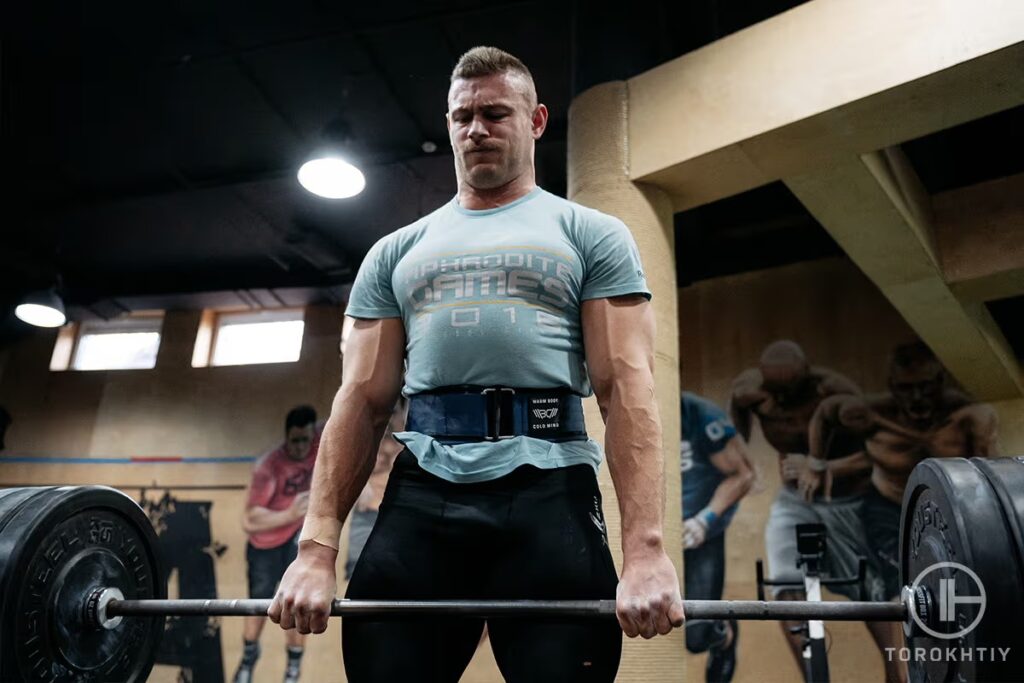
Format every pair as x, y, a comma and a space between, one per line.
331, 177
42, 309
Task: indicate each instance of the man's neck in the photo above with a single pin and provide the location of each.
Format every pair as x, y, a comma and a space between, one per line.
475, 199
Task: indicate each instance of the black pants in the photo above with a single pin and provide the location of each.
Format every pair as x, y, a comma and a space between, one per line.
531, 535
703, 579
266, 566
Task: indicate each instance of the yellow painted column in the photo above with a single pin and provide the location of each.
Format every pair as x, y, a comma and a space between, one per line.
599, 178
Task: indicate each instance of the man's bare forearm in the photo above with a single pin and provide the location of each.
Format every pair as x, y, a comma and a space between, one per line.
348, 446
733, 462
634, 450
826, 419
348, 452
619, 342
850, 465
730, 491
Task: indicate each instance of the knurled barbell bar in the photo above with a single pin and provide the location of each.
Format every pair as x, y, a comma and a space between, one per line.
755, 610
83, 594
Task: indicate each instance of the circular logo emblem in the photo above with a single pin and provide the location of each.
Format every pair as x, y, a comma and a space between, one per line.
949, 600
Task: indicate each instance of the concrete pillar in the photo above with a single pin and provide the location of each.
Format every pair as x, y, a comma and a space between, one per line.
177, 340
599, 178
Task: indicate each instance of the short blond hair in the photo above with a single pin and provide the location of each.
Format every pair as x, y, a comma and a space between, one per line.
484, 60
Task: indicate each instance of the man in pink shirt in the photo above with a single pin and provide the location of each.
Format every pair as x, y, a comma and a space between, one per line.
278, 497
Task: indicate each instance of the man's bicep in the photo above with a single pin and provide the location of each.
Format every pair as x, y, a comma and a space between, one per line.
618, 338
374, 360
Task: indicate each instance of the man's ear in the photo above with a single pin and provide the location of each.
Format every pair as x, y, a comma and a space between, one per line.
539, 121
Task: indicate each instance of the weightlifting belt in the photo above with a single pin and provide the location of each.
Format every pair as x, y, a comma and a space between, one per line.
471, 413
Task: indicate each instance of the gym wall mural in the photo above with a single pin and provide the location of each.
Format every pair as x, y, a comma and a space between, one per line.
838, 441
844, 453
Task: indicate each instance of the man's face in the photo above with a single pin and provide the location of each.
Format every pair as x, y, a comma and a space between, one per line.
783, 380
298, 442
492, 127
918, 390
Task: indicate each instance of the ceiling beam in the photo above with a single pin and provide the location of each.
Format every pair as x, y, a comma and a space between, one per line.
875, 207
379, 70
824, 81
327, 30
980, 236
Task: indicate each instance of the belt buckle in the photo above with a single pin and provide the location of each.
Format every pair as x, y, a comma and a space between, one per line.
494, 427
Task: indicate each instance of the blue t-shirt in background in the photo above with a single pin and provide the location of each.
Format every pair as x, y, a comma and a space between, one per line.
706, 431
493, 298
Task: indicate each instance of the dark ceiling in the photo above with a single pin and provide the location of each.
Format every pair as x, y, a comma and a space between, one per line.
150, 149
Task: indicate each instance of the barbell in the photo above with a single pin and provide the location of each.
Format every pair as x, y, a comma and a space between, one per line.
83, 592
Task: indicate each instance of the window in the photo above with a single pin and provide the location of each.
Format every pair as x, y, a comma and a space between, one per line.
248, 338
127, 343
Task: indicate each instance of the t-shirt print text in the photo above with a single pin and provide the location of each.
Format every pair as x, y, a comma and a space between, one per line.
515, 286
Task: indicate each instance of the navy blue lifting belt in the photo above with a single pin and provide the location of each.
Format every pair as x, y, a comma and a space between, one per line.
459, 414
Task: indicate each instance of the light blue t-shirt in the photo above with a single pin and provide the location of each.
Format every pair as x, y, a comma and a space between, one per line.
493, 298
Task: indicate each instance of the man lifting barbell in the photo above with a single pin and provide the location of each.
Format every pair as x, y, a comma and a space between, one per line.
496, 335
508, 304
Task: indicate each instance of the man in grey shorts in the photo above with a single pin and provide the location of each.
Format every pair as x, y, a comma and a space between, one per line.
783, 393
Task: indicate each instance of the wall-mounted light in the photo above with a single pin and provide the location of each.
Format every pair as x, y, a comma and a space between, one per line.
42, 309
331, 177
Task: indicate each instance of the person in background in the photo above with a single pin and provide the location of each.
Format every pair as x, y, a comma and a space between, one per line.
276, 507
716, 475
